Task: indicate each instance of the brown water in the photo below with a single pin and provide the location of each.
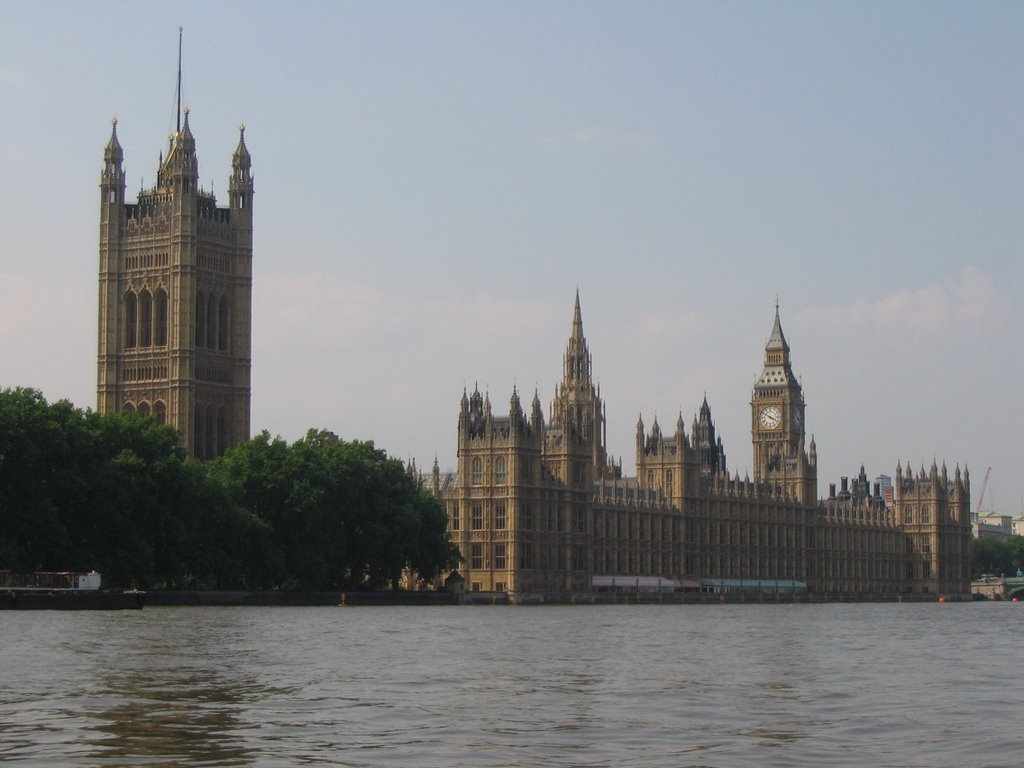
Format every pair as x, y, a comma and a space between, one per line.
733, 685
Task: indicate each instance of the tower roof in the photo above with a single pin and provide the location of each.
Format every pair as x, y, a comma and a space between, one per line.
577, 356
777, 370
241, 158
777, 340
185, 139
113, 152
577, 320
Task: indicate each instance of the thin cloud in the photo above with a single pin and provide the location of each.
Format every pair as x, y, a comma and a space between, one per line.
971, 298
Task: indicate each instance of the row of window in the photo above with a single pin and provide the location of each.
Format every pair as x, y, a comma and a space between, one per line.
213, 322
214, 263
146, 261
641, 528
668, 479
500, 471
924, 519
145, 318
212, 432
144, 373
500, 557
158, 410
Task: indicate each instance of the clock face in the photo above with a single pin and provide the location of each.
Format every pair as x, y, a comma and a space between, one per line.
770, 417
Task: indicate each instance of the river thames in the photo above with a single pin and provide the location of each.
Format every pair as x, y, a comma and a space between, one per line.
683, 685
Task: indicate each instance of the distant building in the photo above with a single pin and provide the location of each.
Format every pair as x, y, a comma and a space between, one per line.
536, 508
993, 525
884, 483
175, 297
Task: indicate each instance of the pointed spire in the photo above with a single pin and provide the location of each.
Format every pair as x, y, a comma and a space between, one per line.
178, 130
577, 357
515, 409
577, 318
113, 154
777, 340
112, 176
241, 159
185, 139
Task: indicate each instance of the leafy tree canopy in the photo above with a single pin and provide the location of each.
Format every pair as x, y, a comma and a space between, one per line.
999, 557
80, 491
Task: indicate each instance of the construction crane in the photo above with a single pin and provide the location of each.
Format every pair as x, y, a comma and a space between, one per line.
984, 486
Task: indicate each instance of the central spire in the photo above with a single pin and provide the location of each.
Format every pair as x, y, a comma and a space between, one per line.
577, 319
178, 125
577, 357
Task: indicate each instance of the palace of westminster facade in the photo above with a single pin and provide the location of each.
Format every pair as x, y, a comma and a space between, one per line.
535, 506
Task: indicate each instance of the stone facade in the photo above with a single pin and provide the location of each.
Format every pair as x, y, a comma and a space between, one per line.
175, 297
536, 507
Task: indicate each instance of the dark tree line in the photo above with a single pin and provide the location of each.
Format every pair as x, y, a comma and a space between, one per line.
999, 557
114, 493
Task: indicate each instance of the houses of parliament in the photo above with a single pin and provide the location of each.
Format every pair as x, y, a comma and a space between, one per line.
536, 507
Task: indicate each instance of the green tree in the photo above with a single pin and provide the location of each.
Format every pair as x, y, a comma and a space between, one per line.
1000, 557
343, 515
114, 493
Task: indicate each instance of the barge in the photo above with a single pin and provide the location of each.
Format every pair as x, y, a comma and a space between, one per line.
64, 590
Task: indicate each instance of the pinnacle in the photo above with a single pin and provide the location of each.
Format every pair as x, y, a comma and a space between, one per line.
777, 340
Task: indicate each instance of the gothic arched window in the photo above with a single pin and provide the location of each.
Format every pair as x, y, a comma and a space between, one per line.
128, 408
200, 319
223, 326
143, 408
200, 433
161, 318
500, 473
478, 471
145, 319
211, 322
131, 320
222, 432
160, 412
211, 433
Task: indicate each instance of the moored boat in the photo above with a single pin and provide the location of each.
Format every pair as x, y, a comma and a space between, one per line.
64, 590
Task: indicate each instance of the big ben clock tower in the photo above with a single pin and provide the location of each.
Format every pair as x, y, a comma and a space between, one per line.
777, 424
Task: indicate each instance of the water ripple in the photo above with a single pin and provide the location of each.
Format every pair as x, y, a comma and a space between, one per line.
586, 686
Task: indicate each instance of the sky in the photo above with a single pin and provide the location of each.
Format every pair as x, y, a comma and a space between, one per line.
435, 181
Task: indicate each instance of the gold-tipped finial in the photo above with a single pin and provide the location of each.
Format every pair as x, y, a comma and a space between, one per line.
113, 120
